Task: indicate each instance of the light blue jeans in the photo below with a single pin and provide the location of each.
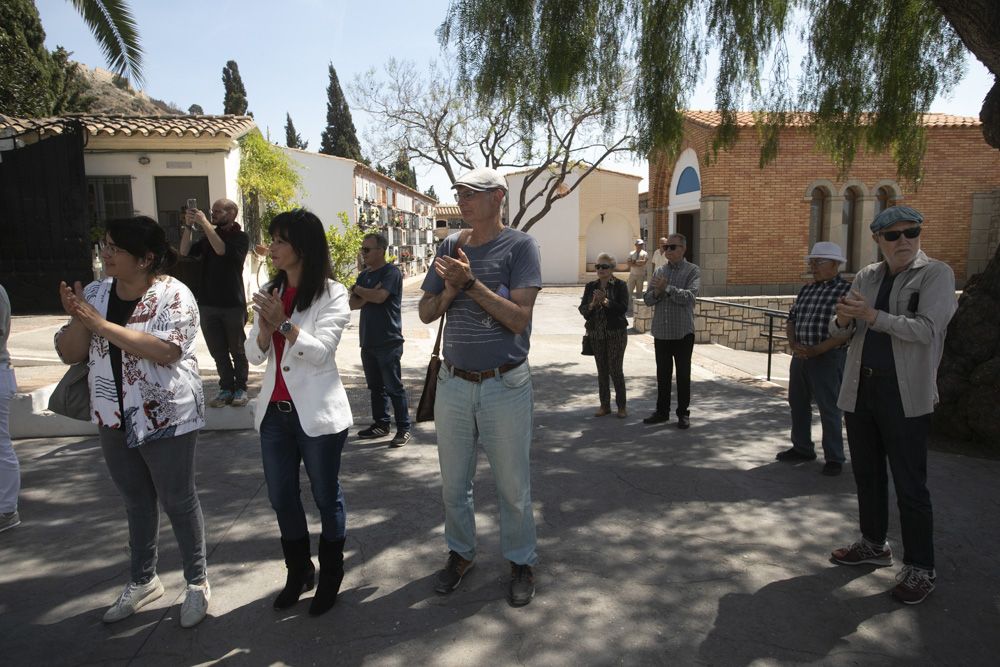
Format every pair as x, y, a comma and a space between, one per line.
10, 472
497, 414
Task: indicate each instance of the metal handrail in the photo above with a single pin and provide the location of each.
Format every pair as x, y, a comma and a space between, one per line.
770, 313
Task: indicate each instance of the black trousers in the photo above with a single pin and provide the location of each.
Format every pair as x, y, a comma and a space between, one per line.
225, 336
609, 354
668, 354
877, 432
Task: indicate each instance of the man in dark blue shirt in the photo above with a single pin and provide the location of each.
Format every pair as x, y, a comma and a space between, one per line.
378, 292
817, 366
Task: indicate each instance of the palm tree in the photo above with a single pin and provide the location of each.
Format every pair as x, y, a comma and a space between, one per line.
116, 32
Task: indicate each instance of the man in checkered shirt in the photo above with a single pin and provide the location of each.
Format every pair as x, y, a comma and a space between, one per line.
672, 292
818, 360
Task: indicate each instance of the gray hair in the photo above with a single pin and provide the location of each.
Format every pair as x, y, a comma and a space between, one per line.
609, 257
380, 240
678, 235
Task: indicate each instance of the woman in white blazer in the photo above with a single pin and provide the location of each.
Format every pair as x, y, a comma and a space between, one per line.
302, 412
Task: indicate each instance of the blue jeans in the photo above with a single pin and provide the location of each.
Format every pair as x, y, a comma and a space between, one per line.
496, 413
283, 446
817, 379
161, 470
384, 378
879, 431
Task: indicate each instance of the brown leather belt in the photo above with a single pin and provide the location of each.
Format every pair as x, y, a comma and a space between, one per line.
479, 376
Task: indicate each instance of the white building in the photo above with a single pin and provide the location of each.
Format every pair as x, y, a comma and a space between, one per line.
333, 185
601, 215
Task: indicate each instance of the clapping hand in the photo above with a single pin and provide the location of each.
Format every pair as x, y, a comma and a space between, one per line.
853, 305
269, 309
76, 306
599, 297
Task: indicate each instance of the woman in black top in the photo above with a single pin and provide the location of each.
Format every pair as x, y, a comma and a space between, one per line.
603, 305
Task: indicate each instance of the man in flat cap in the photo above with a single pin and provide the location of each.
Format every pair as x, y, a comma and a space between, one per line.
486, 280
817, 360
896, 316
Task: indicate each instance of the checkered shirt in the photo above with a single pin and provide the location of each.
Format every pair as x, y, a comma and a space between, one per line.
814, 307
673, 312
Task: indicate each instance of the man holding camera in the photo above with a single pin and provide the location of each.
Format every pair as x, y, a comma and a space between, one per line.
223, 250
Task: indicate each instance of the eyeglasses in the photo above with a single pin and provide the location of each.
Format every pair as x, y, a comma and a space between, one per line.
673, 246
603, 267
365, 250
109, 248
469, 194
812, 262
909, 232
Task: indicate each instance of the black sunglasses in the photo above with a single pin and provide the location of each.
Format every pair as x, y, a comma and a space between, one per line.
909, 232
366, 250
603, 266
673, 246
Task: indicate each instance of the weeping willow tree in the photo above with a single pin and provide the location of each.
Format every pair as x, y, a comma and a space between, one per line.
871, 67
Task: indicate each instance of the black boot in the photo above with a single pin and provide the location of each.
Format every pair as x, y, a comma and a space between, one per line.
301, 572
331, 574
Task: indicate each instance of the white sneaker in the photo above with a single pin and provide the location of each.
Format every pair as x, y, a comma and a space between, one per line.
195, 604
133, 598
9, 520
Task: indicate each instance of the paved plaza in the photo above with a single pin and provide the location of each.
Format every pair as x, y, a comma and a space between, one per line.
658, 546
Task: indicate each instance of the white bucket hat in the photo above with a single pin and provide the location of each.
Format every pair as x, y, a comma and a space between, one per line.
827, 250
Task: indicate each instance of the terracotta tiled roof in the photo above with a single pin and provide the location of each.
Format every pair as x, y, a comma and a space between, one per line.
747, 119
447, 211
233, 127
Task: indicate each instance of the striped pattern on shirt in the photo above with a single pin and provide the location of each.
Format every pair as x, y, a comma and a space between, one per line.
813, 309
673, 314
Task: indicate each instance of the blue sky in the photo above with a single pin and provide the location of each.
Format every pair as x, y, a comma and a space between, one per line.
283, 50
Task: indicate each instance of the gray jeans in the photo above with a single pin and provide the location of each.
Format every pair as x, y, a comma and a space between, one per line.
160, 470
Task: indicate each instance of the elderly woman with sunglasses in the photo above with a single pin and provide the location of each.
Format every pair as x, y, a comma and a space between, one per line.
896, 316
137, 329
603, 306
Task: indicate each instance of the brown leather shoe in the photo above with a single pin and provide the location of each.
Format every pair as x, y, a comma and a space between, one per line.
602, 412
622, 413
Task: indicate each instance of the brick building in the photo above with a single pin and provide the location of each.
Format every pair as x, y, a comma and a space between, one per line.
750, 228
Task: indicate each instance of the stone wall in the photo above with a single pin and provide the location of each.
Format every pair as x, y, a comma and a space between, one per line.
735, 335
740, 335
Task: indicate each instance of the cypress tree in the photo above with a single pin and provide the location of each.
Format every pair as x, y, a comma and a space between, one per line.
339, 138
26, 74
235, 101
292, 138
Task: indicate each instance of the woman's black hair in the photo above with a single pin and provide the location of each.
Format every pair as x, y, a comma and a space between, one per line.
142, 236
307, 236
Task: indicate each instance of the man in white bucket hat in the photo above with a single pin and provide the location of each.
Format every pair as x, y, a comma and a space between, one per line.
817, 366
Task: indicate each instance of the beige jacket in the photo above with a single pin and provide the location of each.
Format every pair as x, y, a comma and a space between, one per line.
917, 337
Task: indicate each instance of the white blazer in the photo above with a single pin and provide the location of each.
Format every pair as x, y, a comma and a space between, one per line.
309, 365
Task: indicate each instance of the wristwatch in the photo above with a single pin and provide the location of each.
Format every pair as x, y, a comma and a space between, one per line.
285, 327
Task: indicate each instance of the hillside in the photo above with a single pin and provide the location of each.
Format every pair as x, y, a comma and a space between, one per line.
114, 96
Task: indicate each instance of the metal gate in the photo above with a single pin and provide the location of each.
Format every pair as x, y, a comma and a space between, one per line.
44, 231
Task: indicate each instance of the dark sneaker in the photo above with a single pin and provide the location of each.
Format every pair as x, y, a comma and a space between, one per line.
861, 553
915, 584
832, 468
400, 439
222, 399
683, 421
793, 455
9, 520
656, 418
376, 430
450, 577
522, 585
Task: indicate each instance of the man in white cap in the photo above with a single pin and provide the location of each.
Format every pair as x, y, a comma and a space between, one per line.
486, 280
817, 360
637, 269
896, 317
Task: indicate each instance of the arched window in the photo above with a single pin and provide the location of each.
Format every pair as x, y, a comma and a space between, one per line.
817, 216
688, 181
883, 200
849, 218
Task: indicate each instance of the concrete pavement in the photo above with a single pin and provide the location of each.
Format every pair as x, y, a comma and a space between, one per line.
658, 546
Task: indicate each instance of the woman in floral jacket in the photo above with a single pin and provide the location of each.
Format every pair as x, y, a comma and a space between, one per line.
137, 330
